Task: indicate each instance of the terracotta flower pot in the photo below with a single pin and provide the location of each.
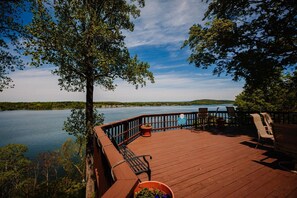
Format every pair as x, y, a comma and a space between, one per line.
154, 185
221, 123
146, 131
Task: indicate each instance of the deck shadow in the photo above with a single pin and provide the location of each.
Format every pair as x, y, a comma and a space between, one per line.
253, 143
283, 163
233, 131
275, 158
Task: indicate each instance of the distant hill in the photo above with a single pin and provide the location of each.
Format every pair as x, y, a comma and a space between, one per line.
5, 106
210, 101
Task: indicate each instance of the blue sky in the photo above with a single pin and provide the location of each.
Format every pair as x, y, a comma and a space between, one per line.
157, 39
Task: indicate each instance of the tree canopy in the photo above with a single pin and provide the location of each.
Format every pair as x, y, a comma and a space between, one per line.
11, 29
84, 39
253, 40
14, 168
85, 43
279, 95
51, 174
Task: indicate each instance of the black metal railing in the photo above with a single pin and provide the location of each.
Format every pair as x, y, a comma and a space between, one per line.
125, 131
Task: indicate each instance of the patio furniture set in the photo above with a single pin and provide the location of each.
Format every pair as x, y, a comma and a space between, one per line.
204, 119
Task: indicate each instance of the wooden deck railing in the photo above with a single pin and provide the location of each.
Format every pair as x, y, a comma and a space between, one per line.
107, 156
125, 131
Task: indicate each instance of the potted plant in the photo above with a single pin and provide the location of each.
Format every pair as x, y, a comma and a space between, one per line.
153, 189
220, 122
146, 130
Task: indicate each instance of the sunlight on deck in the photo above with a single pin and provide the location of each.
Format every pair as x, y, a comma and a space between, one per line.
199, 163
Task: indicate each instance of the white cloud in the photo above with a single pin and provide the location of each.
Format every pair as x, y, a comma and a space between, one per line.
37, 85
162, 67
165, 22
175, 87
41, 85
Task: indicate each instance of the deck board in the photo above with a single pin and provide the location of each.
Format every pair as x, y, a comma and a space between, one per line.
205, 164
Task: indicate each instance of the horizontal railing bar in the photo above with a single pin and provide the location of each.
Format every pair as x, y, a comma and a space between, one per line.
122, 130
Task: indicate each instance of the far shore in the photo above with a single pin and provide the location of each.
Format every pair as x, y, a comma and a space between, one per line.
8, 106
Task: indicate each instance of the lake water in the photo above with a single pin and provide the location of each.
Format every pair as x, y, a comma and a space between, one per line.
42, 130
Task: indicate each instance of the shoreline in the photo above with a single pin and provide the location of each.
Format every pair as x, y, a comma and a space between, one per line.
10, 106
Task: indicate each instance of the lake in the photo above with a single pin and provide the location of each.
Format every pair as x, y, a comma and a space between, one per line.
42, 131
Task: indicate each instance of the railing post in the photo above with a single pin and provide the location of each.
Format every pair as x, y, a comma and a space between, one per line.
195, 123
140, 122
164, 123
126, 131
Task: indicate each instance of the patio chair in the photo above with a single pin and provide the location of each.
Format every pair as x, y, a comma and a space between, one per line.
203, 117
232, 116
268, 121
212, 119
285, 141
261, 130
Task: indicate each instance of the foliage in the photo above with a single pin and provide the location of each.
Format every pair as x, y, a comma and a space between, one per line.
11, 30
52, 174
71, 158
84, 40
61, 173
253, 40
85, 43
76, 124
151, 193
14, 167
279, 95
254, 101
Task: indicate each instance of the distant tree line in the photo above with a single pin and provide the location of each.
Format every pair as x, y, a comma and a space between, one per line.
6, 106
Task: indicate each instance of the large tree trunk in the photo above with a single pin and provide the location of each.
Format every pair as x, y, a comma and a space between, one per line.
90, 175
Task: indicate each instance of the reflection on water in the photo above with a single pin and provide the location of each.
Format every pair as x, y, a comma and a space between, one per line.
42, 130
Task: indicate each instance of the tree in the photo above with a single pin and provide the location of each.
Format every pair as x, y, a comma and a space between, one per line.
84, 40
280, 95
14, 170
11, 29
76, 124
253, 40
48, 163
72, 161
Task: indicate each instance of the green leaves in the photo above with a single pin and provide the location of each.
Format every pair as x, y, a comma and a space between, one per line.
84, 41
253, 40
210, 44
14, 168
82, 38
11, 31
279, 95
76, 123
250, 40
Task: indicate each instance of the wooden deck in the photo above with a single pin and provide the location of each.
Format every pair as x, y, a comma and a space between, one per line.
205, 164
